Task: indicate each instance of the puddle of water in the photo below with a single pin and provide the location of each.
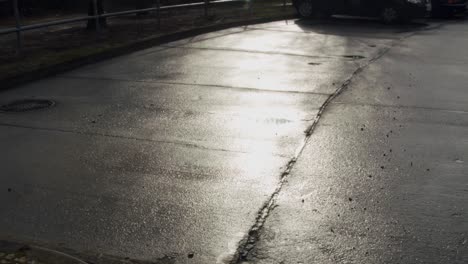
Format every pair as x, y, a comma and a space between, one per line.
354, 57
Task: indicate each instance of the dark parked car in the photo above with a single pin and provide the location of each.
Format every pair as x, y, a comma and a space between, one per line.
446, 8
388, 10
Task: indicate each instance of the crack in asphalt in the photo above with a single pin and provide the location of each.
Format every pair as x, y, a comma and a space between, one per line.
192, 40
343, 57
310, 32
248, 243
404, 106
240, 88
186, 144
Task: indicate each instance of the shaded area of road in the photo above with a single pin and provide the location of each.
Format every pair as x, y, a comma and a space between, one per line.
169, 153
383, 177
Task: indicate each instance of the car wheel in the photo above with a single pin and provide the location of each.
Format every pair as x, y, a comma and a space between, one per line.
305, 8
390, 14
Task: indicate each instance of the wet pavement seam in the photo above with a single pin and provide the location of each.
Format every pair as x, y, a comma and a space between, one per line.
209, 38
74, 193
315, 33
342, 57
248, 243
140, 54
168, 46
403, 106
121, 137
240, 88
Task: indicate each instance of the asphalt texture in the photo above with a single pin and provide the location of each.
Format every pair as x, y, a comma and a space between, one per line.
169, 154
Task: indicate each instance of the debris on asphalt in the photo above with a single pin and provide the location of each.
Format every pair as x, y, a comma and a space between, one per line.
18, 257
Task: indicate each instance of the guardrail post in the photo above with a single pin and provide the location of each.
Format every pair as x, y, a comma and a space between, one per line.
97, 16
207, 2
19, 42
158, 13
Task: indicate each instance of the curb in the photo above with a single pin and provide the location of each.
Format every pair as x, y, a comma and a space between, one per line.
55, 69
29, 254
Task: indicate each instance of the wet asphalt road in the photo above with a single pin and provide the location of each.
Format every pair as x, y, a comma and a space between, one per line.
169, 153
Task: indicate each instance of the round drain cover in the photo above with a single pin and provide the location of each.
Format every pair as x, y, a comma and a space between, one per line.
26, 105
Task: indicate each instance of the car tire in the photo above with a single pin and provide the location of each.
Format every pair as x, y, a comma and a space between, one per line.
312, 9
305, 8
391, 14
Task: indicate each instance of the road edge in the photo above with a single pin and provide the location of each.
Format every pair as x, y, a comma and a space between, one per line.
41, 254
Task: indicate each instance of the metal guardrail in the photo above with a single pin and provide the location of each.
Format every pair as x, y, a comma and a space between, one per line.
19, 28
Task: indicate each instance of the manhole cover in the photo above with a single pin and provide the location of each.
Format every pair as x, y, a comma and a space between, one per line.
26, 105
